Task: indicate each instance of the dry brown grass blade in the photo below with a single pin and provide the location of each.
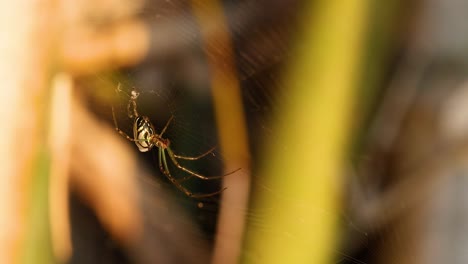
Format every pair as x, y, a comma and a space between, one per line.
103, 171
87, 51
232, 131
100, 35
59, 143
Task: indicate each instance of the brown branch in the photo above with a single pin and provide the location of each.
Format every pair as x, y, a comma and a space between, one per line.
232, 132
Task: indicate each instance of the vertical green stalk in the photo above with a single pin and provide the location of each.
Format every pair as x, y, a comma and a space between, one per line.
38, 244
297, 198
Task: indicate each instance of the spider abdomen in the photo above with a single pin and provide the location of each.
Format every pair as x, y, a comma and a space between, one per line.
143, 133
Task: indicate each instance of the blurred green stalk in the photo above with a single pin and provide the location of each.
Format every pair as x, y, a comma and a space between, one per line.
37, 248
298, 188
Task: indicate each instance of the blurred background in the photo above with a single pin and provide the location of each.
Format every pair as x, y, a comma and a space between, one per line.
342, 127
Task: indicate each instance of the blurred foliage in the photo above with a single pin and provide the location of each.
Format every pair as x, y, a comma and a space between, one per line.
38, 248
312, 107
301, 188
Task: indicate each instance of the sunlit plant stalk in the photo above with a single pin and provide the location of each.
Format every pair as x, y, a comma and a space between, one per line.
299, 184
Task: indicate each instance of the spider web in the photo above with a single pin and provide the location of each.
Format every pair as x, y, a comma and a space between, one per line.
175, 80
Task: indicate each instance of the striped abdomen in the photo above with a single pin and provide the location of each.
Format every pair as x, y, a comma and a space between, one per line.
143, 133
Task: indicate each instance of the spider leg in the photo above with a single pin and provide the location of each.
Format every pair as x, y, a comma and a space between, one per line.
166, 126
119, 130
119, 90
165, 170
131, 106
192, 173
196, 157
132, 109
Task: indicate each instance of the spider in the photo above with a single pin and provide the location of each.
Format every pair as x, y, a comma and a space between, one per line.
146, 138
